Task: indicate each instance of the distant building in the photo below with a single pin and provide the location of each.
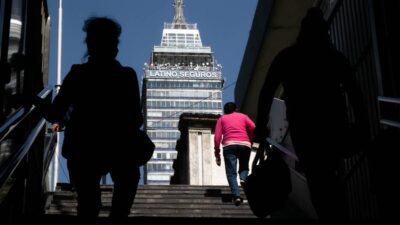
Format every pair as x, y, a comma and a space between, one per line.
182, 76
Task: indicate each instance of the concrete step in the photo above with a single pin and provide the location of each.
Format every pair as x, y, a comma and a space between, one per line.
178, 201
143, 220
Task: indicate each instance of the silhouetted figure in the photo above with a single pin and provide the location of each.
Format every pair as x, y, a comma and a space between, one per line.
235, 131
102, 125
315, 79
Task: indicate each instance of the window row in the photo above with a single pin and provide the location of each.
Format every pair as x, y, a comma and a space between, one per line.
185, 94
165, 114
184, 104
158, 179
166, 134
162, 124
165, 145
184, 84
175, 114
164, 155
154, 167
181, 59
181, 39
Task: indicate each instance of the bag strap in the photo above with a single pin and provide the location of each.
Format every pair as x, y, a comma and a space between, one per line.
255, 160
262, 150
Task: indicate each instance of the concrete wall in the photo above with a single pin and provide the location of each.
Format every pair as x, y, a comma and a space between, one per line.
195, 163
203, 169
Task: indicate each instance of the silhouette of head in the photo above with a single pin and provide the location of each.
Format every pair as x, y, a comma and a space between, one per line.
102, 37
314, 28
229, 108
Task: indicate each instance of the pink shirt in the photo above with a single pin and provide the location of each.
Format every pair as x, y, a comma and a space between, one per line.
235, 128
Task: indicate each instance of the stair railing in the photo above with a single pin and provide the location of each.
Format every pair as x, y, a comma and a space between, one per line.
26, 149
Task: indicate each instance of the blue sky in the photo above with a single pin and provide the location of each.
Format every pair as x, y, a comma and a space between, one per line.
224, 26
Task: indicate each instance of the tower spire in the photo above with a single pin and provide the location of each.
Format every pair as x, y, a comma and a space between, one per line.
179, 18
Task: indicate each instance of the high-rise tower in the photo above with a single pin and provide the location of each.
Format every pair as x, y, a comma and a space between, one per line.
182, 76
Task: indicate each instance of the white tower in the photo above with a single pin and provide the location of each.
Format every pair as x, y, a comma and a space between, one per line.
181, 76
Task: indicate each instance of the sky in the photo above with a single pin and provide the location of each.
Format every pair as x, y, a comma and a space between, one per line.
224, 25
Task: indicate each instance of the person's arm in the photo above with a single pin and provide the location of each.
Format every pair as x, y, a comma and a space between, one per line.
63, 99
250, 127
265, 99
132, 116
217, 141
137, 103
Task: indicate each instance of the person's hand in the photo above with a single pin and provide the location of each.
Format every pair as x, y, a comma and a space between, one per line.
218, 161
216, 153
217, 157
55, 127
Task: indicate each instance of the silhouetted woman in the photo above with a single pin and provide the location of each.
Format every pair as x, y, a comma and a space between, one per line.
101, 130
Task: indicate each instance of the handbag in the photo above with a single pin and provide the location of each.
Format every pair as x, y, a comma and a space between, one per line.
146, 148
269, 184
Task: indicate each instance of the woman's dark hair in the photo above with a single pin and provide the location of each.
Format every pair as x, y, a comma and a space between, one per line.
102, 26
102, 37
229, 108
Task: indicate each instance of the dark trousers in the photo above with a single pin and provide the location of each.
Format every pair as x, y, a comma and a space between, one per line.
87, 176
321, 166
233, 154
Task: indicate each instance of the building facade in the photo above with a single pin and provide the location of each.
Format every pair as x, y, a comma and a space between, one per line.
26, 148
182, 76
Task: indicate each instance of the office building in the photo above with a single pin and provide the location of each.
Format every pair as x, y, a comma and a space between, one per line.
182, 76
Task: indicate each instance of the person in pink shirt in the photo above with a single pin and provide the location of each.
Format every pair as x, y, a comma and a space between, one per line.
235, 131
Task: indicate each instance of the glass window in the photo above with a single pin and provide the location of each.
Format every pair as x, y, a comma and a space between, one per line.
2, 14
15, 65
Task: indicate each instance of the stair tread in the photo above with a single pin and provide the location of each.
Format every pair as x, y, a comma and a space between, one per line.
180, 201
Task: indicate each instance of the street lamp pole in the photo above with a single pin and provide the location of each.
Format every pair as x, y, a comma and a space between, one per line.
59, 51
59, 44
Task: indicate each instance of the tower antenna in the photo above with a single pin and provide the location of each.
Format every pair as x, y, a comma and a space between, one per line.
179, 19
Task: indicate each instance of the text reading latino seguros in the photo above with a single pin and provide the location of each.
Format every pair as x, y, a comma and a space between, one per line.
184, 74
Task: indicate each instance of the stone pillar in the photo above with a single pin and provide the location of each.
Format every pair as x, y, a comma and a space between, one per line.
195, 164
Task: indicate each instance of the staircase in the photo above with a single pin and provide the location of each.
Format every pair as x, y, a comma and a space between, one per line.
170, 204
162, 201
164, 204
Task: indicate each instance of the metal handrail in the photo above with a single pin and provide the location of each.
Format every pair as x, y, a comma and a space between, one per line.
390, 123
287, 152
12, 122
389, 99
392, 100
16, 158
9, 126
282, 148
